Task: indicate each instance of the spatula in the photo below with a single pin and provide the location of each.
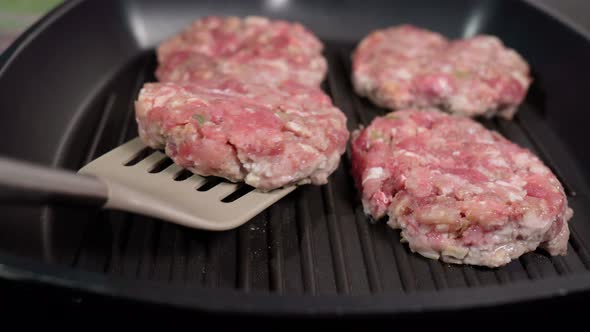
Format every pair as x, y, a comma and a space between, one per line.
111, 182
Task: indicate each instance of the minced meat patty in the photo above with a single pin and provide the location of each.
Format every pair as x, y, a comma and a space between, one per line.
251, 49
458, 191
266, 136
407, 66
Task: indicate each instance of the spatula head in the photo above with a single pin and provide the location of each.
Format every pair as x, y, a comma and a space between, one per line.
144, 181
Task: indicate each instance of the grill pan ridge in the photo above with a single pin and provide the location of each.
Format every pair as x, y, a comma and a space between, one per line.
313, 252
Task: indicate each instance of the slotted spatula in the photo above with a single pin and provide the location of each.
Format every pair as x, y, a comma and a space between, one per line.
113, 184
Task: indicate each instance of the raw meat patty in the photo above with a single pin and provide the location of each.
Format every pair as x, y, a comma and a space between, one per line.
458, 192
250, 49
267, 136
406, 66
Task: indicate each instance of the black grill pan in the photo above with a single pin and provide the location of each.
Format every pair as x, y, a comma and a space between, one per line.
66, 93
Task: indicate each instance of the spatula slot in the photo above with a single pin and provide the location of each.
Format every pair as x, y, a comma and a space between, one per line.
183, 175
161, 165
242, 190
139, 156
211, 182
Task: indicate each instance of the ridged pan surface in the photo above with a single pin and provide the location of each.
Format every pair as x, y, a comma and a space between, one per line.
314, 251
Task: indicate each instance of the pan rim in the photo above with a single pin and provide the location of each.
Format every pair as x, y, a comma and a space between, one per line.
268, 304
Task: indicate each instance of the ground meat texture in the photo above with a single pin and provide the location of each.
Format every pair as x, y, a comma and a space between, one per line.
251, 49
266, 136
458, 191
406, 66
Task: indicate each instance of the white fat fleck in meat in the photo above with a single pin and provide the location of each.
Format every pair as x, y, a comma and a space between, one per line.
294, 111
460, 102
374, 173
259, 168
505, 231
521, 159
163, 95
513, 197
485, 140
506, 184
534, 221
176, 103
252, 179
500, 162
411, 154
537, 169
517, 181
443, 86
484, 171
308, 148
475, 189
297, 128
429, 254
403, 74
280, 63
445, 190
455, 251
417, 156
446, 68
517, 75
257, 20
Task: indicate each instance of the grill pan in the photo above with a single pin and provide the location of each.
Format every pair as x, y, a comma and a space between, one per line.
66, 92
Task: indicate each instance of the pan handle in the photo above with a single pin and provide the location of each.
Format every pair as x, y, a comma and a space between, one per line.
24, 182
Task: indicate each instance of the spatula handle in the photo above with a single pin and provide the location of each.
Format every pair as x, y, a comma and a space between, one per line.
24, 182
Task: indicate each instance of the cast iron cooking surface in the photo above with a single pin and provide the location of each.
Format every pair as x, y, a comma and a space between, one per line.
312, 252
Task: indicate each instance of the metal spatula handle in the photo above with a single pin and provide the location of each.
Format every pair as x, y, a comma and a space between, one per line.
30, 182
